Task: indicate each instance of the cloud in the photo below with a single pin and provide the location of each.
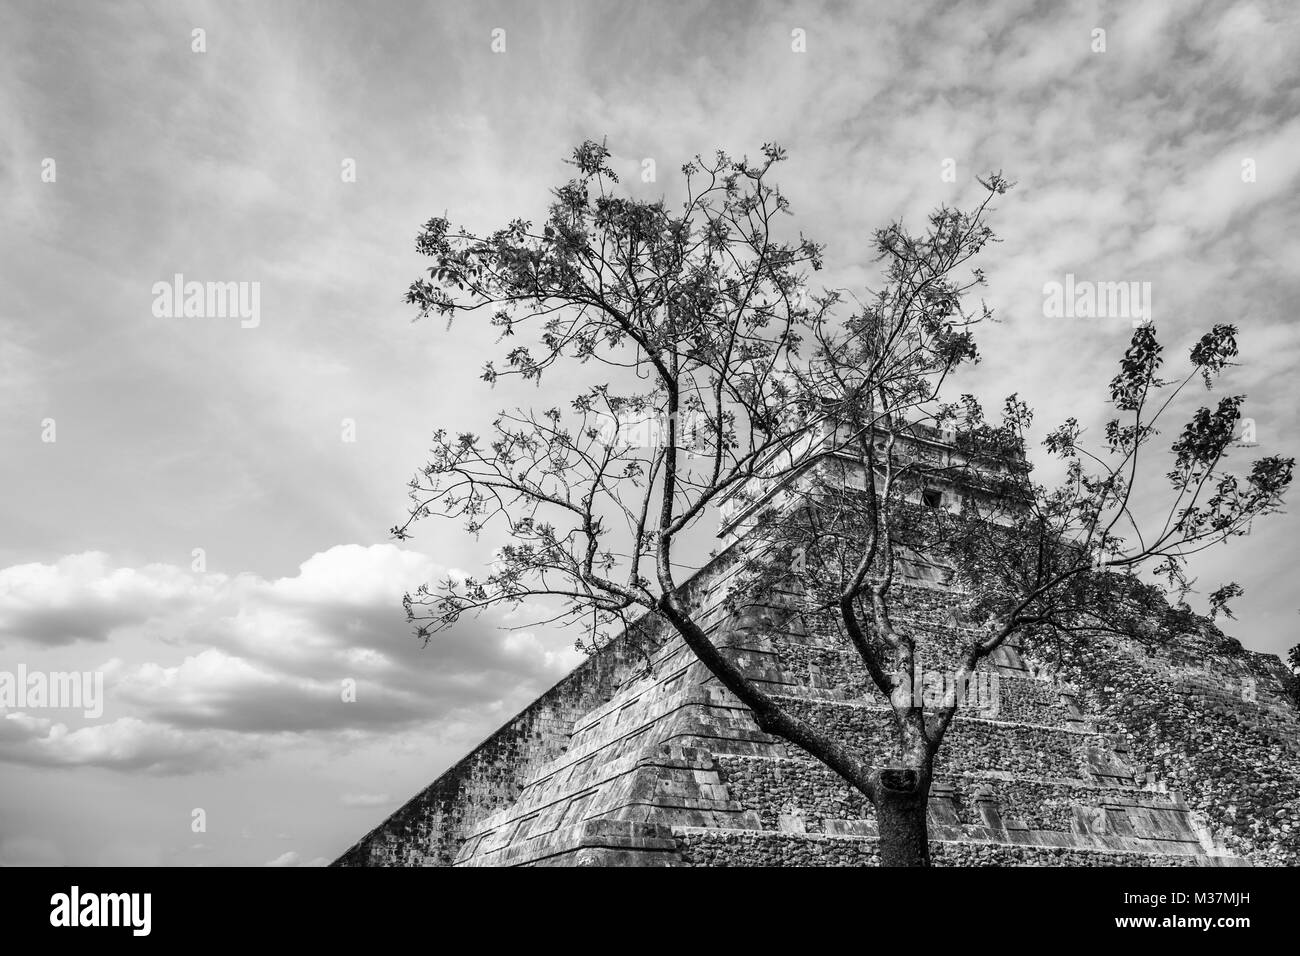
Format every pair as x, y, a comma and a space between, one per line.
340, 618
126, 744
325, 652
214, 689
1213, 192
80, 597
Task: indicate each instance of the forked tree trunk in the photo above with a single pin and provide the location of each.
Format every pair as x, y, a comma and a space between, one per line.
902, 796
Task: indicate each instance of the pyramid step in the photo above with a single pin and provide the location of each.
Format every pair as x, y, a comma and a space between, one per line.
716, 847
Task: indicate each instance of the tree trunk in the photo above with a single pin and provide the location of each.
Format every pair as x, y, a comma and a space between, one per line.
902, 797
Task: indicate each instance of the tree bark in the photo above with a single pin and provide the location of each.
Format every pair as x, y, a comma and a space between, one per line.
902, 799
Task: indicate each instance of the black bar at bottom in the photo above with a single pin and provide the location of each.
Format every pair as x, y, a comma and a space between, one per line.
641, 908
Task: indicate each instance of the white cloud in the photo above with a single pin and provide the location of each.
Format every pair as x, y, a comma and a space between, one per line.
1213, 192
80, 597
270, 658
127, 744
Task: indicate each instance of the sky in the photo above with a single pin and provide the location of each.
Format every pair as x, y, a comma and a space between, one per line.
197, 507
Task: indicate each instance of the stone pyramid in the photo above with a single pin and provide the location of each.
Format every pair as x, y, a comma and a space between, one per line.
1179, 754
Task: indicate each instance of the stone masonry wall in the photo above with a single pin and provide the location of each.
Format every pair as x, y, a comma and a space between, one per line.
428, 829
1208, 719
970, 744
747, 848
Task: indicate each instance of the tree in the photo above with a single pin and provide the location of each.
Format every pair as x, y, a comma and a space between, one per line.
731, 380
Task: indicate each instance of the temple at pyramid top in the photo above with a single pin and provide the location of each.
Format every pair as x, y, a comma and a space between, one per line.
953, 473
